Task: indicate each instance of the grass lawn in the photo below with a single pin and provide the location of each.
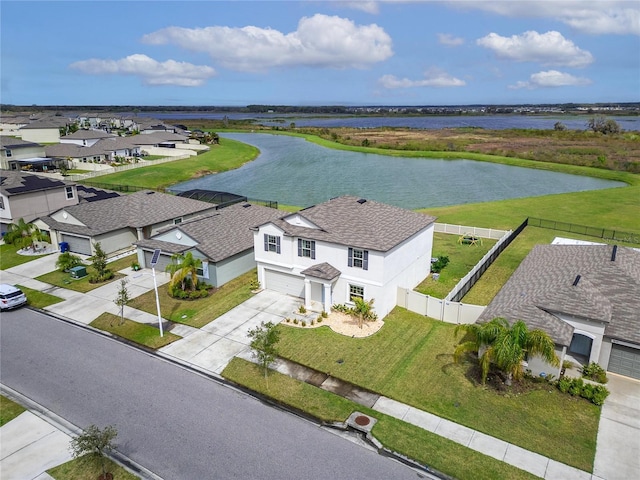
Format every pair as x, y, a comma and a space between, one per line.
39, 299
139, 333
198, 313
462, 258
228, 155
9, 257
9, 410
88, 467
82, 285
423, 446
410, 360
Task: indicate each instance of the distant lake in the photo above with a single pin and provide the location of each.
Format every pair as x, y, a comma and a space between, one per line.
292, 171
490, 122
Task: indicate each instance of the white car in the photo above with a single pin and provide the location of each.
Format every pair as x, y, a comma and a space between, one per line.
11, 297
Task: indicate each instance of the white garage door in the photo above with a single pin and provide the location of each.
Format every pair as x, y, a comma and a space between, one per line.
77, 244
284, 283
163, 261
625, 361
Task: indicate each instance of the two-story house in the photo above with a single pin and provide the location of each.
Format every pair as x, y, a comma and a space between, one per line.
344, 248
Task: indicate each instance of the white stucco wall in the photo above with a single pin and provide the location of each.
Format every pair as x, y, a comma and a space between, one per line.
41, 135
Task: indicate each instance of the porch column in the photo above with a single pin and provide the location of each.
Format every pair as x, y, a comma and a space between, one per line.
327, 297
307, 293
139, 233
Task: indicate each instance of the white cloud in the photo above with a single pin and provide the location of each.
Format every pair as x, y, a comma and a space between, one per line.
551, 79
149, 70
549, 48
319, 41
617, 17
433, 77
449, 40
362, 5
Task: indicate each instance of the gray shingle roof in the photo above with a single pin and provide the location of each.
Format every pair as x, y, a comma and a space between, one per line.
324, 270
138, 209
358, 223
547, 281
87, 135
12, 142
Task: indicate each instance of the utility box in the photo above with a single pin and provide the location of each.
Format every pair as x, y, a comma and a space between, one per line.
78, 272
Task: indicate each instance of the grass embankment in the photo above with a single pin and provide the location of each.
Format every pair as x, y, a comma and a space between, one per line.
140, 333
9, 410
226, 156
88, 467
410, 360
425, 447
82, 285
197, 313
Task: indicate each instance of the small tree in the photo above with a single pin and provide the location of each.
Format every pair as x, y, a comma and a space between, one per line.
263, 344
99, 260
67, 260
122, 299
24, 235
601, 124
559, 126
184, 271
95, 442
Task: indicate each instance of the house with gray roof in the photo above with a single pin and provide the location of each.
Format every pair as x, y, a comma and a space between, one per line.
16, 153
346, 247
221, 239
117, 222
586, 297
44, 130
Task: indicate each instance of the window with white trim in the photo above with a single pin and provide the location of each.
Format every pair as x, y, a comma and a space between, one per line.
356, 291
8, 152
306, 248
203, 269
69, 193
358, 258
271, 243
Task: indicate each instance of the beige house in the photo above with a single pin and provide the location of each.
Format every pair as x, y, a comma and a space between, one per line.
44, 131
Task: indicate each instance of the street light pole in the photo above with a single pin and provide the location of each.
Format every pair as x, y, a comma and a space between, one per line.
155, 287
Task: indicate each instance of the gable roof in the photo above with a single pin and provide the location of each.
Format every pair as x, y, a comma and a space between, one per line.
221, 234
87, 135
12, 143
16, 182
577, 280
357, 222
135, 210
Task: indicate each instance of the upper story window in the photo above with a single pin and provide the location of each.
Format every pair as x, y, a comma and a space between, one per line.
8, 152
358, 258
69, 193
306, 248
271, 243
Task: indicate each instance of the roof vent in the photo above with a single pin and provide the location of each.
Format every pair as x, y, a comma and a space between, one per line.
361, 201
150, 193
614, 252
246, 205
575, 282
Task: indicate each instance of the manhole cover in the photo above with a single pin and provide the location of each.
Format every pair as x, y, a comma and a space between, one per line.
362, 420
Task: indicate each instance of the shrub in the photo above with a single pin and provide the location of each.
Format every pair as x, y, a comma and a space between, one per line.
342, 308
66, 261
595, 372
304, 324
576, 387
96, 278
439, 264
302, 309
324, 314
600, 393
295, 321
288, 320
564, 384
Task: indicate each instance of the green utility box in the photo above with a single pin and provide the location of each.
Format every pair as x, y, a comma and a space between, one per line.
78, 272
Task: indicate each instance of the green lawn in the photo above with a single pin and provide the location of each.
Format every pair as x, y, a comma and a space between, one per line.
462, 258
9, 410
9, 257
410, 360
39, 299
197, 313
140, 333
228, 155
437, 452
88, 467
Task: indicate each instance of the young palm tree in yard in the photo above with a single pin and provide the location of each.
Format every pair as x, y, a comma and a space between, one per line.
506, 346
183, 268
23, 234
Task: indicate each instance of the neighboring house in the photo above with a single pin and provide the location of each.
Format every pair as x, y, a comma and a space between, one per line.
27, 196
222, 239
346, 247
11, 124
85, 138
46, 130
586, 297
101, 150
118, 222
15, 151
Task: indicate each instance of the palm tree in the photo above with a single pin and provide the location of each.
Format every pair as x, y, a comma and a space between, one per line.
506, 346
182, 268
23, 234
363, 310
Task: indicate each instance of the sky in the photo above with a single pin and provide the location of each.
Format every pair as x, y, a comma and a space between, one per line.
308, 52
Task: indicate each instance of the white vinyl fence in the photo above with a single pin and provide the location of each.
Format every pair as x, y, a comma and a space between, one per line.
465, 230
445, 310
121, 168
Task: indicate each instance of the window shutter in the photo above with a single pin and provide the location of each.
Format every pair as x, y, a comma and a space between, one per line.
365, 260
266, 242
299, 247
205, 269
313, 250
350, 261
277, 244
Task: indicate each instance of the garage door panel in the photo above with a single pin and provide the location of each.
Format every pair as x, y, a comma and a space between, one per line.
77, 244
284, 283
625, 361
163, 261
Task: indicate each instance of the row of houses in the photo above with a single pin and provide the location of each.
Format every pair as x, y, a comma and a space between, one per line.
586, 297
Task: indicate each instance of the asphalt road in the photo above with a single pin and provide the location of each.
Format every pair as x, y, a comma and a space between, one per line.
178, 424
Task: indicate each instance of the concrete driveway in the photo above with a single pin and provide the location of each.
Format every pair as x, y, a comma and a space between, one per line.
618, 444
214, 345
